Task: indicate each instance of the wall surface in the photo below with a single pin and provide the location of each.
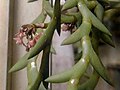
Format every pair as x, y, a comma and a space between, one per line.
4, 6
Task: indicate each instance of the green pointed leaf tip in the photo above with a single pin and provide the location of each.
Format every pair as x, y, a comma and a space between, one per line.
107, 39
22, 63
73, 72
61, 77
47, 7
42, 70
98, 66
83, 30
81, 67
95, 21
99, 11
95, 61
98, 24
66, 75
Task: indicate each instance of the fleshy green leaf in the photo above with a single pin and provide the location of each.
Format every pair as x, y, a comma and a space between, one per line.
90, 83
43, 40
107, 39
83, 30
22, 63
98, 66
32, 1
69, 4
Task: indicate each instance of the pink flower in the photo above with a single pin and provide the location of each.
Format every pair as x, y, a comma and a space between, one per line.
20, 34
28, 32
68, 27
31, 43
38, 36
18, 40
19, 37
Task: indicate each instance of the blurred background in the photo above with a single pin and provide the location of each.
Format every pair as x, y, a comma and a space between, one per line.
14, 13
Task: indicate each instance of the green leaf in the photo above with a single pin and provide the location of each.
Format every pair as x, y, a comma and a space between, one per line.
98, 24
90, 83
69, 4
31, 1
22, 63
83, 30
98, 66
94, 20
73, 84
47, 7
61, 77
43, 71
99, 11
44, 39
107, 39
32, 71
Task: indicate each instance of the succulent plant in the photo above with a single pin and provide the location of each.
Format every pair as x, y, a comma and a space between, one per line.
86, 27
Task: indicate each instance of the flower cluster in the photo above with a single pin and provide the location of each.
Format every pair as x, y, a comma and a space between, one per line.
68, 27
27, 35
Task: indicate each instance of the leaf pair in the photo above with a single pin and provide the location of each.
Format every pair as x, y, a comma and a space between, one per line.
34, 77
76, 71
88, 20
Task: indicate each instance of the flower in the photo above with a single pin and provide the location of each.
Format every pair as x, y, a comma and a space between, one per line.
38, 36
31, 43
19, 37
29, 33
18, 40
68, 26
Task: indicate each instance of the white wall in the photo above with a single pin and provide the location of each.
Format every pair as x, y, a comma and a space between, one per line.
4, 6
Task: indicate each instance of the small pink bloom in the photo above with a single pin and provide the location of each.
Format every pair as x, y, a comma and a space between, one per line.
28, 32
31, 43
37, 36
22, 34
18, 40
